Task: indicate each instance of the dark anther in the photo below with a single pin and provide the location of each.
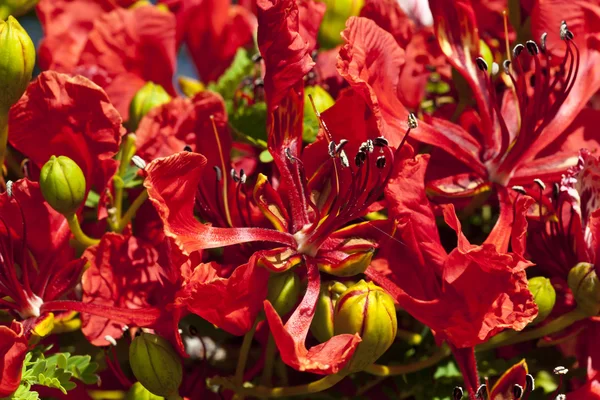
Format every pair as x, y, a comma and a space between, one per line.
138, 332
481, 64
380, 142
530, 383
289, 156
543, 41
187, 148
340, 146
532, 47
314, 55
517, 50
218, 172
565, 33
519, 189
517, 391
256, 58
480, 391
380, 162
360, 158
192, 330
555, 190
457, 394
242, 176
367, 146
412, 121
234, 175
331, 149
258, 82
344, 159
540, 183
506, 66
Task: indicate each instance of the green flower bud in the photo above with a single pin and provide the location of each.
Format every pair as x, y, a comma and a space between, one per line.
334, 20
544, 296
16, 8
366, 309
155, 364
283, 291
584, 284
322, 322
139, 392
323, 101
148, 97
486, 54
17, 58
63, 184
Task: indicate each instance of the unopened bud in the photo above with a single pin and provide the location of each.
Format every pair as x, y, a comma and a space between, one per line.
155, 364
139, 392
544, 296
17, 58
63, 184
149, 96
366, 309
322, 322
190, 86
283, 291
334, 20
584, 284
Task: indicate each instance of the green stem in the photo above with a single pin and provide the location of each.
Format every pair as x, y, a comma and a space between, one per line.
243, 358
132, 210
512, 337
127, 151
79, 235
284, 391
389, 370
270, 352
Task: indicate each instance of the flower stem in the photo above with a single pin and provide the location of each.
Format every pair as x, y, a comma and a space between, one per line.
269, 360
79, 235
390, 370
127, 151
133, 208
243, 358
512, 337
283, 391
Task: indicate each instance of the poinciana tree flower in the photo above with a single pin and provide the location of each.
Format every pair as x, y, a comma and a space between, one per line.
118, 48
307, 210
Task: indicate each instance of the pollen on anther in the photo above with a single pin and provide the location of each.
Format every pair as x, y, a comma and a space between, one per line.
481, 64
517, 50
9, 188
532, 47
139, 162
110, 340
540, 183
412, 121
519, 189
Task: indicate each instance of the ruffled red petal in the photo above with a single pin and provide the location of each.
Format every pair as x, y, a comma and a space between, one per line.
13, 347
70, 116
325, 358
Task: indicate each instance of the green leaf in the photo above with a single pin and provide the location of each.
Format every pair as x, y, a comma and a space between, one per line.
249, 122
447, 370
241, 67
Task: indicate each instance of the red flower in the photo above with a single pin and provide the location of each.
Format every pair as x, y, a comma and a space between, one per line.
438, 287
70, 116
213, 30
13, 347
119, 49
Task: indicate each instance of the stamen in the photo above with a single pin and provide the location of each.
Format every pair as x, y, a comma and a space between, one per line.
289, 156
340, 146
367, 146
532, 47
543, 41
257, 58
505, 19
540, 183
519, 189
457, 393
9, 188
139, 162
412, 121
518, 391
223, 168
360, 158
344, 159
243, 177
560, 370
495, 68
218, 173
565, 33
530, 383
380, 162
187, 148
110, 340
517, 50
234, 175
380, 142
506, 66
480, 391
331, 149
481, 64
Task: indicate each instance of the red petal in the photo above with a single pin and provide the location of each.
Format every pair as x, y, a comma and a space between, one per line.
311, 15
13, 348
515, 375
230, 303
122, 273
389, 16
70, 116
214, 31
131, 47
325, 358
172, 183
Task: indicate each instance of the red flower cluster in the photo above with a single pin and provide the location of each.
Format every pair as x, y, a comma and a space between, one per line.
451, 185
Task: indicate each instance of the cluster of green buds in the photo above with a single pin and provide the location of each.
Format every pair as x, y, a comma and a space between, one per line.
583, 282
156, 366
